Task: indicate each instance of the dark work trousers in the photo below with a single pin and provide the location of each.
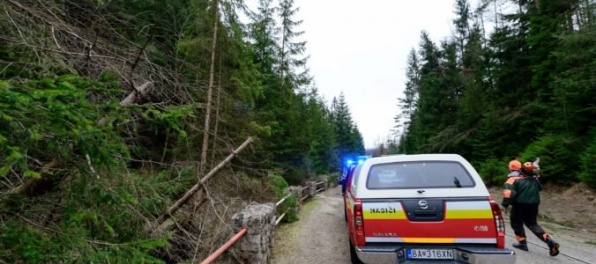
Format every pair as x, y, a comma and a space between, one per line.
525, 214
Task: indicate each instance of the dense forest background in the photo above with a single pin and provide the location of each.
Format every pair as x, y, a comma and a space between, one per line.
111, 109
523, 89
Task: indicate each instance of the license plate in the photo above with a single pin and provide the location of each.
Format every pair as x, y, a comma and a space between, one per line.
429, 253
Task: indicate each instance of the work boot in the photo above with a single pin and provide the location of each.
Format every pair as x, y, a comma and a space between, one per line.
523, 245
553, 246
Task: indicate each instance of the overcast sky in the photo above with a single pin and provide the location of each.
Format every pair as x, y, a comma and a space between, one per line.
360, 48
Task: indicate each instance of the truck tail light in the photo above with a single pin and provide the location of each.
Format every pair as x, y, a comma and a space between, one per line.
359, 223
499, 223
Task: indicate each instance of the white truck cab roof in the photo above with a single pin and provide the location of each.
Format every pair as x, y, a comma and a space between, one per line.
417, 176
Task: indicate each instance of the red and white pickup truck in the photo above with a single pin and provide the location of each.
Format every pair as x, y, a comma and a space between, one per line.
412, 208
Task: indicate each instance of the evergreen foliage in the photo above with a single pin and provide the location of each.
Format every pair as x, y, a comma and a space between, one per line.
525, 91
82, 172
587, 159
290, 204
52, 118
348, 140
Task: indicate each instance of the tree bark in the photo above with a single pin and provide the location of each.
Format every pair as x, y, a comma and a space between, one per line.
217, 106
209, 94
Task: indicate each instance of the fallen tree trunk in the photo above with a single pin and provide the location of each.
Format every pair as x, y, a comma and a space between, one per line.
173, 208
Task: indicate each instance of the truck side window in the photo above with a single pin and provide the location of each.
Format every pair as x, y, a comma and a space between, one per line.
355, 176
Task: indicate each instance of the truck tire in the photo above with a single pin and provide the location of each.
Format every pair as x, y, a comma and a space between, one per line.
353, 257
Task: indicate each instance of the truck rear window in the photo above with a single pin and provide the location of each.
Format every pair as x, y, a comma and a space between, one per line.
418, 174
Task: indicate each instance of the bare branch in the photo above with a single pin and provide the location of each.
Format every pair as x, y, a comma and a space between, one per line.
172, 209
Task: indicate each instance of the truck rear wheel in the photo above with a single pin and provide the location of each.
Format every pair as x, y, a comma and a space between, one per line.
353, 256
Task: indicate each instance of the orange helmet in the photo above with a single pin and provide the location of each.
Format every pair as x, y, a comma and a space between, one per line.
514, 165
528, 167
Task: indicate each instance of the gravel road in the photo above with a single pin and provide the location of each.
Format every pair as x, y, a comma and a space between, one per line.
320, 236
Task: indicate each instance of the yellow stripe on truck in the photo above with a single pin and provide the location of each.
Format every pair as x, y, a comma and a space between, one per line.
468, 210
469, 214
427, 240
392, 211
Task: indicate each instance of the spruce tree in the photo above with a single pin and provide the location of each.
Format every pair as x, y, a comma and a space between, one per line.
348, 139
408, 104
292, 66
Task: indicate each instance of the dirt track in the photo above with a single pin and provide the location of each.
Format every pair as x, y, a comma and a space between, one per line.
320, 236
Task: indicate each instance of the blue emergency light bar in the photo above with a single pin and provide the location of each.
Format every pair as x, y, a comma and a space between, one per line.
359, 160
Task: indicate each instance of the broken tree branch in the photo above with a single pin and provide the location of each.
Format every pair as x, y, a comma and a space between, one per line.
136, 62
172, 209
131, 98
137, 93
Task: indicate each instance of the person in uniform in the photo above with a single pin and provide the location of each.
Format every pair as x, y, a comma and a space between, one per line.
521, 191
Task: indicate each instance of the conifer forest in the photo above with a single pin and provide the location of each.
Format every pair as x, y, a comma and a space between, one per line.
110, 110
